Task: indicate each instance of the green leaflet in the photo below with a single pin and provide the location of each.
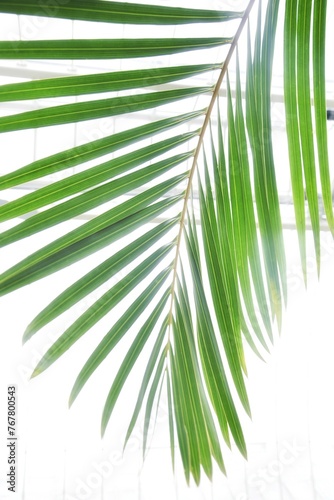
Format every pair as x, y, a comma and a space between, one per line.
151, 363
185, 307
251, 243
212, 365
97, 276
228, 326
120, 328
91, 150
292, 126
242, 210
304, 13
221, 219
90, 199
91, 110
216, 301
157, 381
267, 55
298, 19
105, 48
192, 411
253, 120
185, 416
131, 357
100, 308
116, 12
170, 420
103, 82
220, 267
87, 179
319, 80
180, 422
68, 248
187, 364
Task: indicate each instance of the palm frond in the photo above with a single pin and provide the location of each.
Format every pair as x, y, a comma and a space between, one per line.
216, 276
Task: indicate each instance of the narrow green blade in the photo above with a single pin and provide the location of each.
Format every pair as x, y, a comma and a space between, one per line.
170, 419
224, 226
103, 82
305, 118
85, 180
181, 422
81, 241
130, 359
89, 200
264, 219
292, 126
319, 80
242, 207
116, 12
207, 411
91, 150
267, 55
214, 373
157, 380
105, 48
120, 328
100, 308
217, 260
187, 377
91, 110
97, 276
152, 361
251, 246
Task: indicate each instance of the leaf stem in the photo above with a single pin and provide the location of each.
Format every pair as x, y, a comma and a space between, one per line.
198, 150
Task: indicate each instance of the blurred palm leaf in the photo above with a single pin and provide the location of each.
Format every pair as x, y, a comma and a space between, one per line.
215, 268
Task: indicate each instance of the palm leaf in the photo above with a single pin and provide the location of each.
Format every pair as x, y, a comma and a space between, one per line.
226, 283
104, 82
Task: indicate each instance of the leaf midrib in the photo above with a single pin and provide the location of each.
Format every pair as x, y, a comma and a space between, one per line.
198, 150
